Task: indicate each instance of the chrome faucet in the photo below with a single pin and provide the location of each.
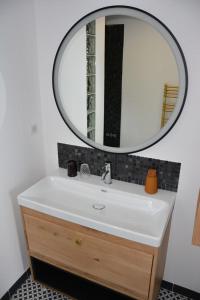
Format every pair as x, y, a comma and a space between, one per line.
106, 176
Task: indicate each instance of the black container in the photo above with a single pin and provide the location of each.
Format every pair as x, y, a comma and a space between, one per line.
72, 168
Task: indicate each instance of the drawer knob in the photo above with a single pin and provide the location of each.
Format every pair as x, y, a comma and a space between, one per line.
97, 259
78, 242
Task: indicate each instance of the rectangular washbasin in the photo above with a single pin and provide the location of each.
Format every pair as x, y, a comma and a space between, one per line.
121, 209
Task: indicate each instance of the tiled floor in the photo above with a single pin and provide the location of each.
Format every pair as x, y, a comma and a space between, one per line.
166, 294
31, 290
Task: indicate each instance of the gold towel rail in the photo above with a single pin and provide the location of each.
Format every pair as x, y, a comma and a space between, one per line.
170, 96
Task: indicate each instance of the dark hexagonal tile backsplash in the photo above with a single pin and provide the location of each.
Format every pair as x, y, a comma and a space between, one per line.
129, 168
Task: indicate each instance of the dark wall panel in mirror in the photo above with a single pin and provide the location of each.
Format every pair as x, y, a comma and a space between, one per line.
114, 41
129, 57
129, 168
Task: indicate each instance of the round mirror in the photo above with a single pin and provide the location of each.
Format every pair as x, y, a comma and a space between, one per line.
120, 79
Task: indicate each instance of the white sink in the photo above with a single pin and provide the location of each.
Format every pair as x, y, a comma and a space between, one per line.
122, 209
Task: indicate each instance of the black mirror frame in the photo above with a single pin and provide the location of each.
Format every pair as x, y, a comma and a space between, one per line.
68, 122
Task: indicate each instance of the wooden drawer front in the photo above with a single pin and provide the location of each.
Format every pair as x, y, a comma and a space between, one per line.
115, 266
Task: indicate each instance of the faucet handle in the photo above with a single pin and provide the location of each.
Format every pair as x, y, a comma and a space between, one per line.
108, 166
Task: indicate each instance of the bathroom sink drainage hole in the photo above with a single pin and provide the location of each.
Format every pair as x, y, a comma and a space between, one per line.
98, 206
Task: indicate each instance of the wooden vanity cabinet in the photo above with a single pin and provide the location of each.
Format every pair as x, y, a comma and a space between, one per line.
128, 267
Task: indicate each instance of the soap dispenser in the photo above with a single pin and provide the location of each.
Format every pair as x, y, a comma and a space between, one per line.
151, 183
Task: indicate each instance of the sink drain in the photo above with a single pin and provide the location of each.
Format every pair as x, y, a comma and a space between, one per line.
98, 206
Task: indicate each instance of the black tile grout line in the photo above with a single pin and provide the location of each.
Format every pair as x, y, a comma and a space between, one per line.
16, 285
165, 284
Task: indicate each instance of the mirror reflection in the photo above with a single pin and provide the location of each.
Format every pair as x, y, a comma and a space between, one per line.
118, 81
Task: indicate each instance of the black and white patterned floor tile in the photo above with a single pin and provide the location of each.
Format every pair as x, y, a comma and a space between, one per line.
166, 294
31, 290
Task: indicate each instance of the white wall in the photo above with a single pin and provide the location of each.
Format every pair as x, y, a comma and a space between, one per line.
21, 155
72, 73
181, 144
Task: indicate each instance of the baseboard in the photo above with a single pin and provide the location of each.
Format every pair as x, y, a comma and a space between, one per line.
6, 296
16, 285
165, 284
181, 290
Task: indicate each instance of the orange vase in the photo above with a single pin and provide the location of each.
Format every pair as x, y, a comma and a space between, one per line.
151, 184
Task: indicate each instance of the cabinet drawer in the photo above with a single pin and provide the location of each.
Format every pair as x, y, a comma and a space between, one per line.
113, 265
